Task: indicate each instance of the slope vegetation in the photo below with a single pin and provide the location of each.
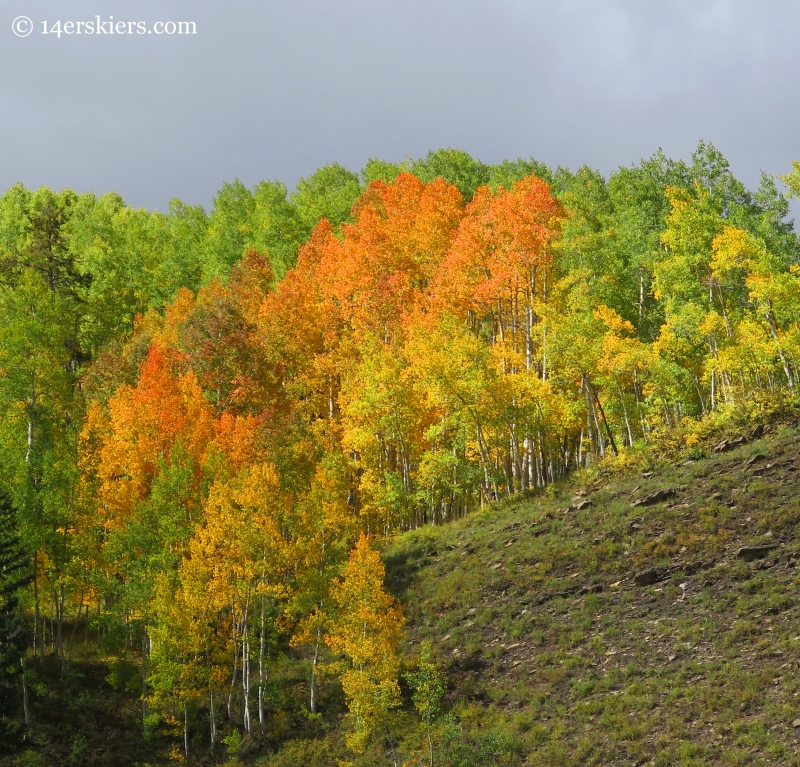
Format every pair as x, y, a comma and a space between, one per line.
639, 616
644, 618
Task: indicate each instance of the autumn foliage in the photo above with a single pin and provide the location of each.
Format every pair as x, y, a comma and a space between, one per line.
243, 451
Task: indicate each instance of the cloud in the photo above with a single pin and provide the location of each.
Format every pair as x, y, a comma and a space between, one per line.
273, 90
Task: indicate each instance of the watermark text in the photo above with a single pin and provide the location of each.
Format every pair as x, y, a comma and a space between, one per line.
22, 26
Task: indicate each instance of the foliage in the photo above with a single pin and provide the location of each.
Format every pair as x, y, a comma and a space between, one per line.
366, 630
207, 416
14, 575
429, 685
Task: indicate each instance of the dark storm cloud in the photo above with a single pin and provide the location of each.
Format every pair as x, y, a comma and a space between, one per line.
276, 89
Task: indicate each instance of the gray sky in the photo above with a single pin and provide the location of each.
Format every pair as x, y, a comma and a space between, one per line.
275, 89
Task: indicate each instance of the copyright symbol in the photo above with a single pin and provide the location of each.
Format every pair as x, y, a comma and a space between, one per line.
22, 26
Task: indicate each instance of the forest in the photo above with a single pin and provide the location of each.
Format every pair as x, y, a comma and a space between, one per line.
211, 422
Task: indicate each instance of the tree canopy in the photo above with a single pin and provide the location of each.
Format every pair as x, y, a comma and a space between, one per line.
209, 420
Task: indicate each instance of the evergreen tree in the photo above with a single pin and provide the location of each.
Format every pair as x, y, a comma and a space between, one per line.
13, 576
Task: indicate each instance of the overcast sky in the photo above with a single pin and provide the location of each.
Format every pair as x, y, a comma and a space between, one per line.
276, 88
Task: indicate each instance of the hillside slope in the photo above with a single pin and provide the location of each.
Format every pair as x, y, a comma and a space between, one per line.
622, 622
644, 617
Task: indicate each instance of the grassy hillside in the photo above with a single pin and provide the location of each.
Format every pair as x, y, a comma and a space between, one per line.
646, 616
620, 621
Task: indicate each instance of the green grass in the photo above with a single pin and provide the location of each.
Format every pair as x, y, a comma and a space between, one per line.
695, 669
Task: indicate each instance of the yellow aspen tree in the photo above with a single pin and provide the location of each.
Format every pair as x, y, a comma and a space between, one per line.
366, 631
327, 528
246, 549
792, 180
771, 290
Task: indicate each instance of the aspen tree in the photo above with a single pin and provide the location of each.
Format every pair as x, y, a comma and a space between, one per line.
429, 685
366, 630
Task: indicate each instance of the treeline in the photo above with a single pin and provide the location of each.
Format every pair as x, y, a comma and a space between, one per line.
203, 414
